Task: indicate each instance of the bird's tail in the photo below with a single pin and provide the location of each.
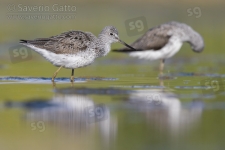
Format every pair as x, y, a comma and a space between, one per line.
23, 41
126, 50
38, 41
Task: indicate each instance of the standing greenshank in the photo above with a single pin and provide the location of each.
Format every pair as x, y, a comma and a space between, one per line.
74, 49
164, 41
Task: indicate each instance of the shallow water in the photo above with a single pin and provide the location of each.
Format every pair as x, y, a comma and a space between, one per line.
132, 110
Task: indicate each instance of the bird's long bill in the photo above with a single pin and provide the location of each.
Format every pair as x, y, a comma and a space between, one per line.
125, 44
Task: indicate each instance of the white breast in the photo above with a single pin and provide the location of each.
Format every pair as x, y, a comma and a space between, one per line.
81, 59
107, 49
171, 48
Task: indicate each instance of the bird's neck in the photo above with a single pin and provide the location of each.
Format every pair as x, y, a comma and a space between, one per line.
104, 45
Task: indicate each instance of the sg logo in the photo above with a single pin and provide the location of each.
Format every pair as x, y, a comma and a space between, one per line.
40, 126
136, 26
96, 113
195, 11
213, 85
19, 54
155, 99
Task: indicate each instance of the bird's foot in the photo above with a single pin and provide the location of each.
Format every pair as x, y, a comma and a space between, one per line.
72, 79
53, 84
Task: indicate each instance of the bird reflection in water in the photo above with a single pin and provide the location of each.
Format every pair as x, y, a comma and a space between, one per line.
165, 111
73, 111
76, 114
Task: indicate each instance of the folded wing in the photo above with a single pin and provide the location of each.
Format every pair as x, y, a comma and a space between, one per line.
70, 42
153, 39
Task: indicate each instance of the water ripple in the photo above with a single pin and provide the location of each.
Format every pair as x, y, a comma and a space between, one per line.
95, 91
49, 80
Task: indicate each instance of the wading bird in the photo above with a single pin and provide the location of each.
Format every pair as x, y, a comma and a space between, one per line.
164, 41
74, 49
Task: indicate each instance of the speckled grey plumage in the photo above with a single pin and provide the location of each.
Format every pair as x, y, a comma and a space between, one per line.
73, 42
156, 38
74, 49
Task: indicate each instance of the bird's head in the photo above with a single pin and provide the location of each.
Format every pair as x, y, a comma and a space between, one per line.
195, 40
197, 43
111, 35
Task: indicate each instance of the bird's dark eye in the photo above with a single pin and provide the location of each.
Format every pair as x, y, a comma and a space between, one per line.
110, 33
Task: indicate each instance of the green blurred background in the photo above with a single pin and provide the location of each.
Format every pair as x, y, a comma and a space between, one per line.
205, 16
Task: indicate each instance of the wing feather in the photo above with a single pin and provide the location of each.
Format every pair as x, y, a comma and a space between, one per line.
154, 39
70, 42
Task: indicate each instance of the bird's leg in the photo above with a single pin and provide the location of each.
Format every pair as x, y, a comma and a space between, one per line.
161, 67
72, 77
55, 74
54, 85
161, 83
